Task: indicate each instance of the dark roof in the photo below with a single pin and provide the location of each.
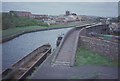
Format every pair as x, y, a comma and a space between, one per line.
20, 11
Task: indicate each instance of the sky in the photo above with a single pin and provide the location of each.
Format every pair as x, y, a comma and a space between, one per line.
104, 9
59, 0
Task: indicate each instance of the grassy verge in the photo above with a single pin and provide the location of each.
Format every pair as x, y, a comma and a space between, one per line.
13, 31
87, 57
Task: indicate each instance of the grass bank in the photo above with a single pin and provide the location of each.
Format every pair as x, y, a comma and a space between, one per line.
87, 57
14, 31
9, 33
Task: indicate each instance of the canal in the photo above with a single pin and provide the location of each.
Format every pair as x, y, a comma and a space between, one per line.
19, 47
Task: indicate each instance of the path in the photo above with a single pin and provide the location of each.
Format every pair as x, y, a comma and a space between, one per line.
67, 52
61, 68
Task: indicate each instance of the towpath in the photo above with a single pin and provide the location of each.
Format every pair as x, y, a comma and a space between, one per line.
61, 68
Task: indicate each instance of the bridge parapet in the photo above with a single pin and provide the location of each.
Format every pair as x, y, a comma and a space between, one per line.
100, 29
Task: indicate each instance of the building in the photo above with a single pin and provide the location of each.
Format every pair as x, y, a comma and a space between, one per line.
49, 22
74, 14
71, 18
21, 13
67, 13
40, 17
60, 20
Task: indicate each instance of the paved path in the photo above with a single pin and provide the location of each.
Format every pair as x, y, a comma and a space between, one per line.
67, 52
83, 72
61, 69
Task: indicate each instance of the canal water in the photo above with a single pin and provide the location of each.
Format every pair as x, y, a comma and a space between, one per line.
19, 47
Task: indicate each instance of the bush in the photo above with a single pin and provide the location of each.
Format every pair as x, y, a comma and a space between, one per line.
7, 21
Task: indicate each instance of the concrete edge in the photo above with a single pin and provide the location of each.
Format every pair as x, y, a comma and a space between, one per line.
77, 40
76, 46
61, 44
63, 40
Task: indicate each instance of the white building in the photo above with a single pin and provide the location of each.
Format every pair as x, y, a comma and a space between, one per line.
49, 21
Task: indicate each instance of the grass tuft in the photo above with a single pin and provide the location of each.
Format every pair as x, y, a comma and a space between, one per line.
87, 57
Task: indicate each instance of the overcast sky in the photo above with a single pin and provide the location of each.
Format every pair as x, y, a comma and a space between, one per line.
59, 0
106, 9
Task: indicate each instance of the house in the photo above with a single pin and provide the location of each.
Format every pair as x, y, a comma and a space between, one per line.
40, 17
21, 13
49, 21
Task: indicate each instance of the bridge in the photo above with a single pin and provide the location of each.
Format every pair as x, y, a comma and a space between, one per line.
60, 64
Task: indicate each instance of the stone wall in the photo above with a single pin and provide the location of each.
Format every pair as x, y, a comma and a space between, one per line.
101, 46
100, 29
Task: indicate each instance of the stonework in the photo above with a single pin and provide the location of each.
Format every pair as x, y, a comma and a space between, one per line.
101, 46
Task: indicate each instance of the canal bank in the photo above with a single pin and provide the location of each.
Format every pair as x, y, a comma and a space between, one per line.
22, 45
29, 31
19, 47
60, 69
10, 34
